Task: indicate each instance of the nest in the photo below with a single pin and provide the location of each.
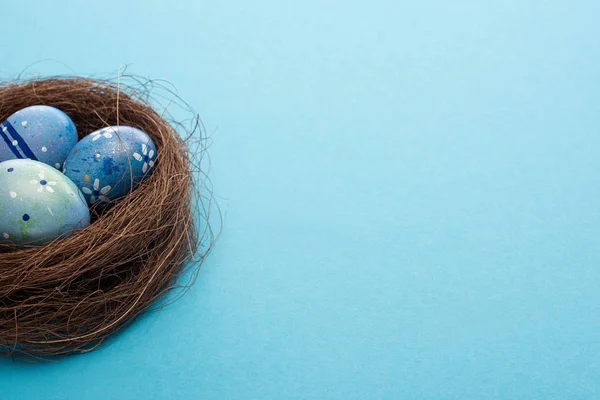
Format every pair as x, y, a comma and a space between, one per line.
71, 294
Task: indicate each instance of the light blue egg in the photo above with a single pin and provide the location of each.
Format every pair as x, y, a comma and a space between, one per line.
110, 163
38, 203
39, 133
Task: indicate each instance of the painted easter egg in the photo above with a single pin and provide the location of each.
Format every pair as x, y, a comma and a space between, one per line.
110, 163
38, 203
39, 133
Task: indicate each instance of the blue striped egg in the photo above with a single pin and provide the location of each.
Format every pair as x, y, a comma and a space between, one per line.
39, 133
110, 162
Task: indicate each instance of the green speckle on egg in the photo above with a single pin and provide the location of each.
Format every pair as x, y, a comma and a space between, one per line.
24, 232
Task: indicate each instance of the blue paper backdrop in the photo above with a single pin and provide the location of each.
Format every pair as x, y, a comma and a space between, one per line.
411, 191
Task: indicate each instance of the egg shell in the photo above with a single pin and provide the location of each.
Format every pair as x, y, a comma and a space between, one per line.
109, 163
40, 133
38, 203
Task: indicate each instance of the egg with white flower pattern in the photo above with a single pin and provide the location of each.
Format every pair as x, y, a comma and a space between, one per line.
40, 133
109, 163
38, 203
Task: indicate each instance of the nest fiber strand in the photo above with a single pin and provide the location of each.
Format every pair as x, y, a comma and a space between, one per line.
68, 296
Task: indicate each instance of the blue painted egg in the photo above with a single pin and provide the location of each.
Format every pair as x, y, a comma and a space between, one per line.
39, 133
38, 203
110, 163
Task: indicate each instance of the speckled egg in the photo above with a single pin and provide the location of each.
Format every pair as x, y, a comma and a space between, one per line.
39, 133
38, 203
110, 163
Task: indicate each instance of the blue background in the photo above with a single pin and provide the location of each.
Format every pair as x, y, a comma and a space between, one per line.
411, 194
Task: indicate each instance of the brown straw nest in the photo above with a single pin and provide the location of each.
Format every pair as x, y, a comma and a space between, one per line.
69, 295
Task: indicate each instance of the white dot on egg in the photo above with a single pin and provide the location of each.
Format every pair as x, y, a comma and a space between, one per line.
57, 165
98, 155
15, 143
13, 194
44, 149
6, 235
24, 123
